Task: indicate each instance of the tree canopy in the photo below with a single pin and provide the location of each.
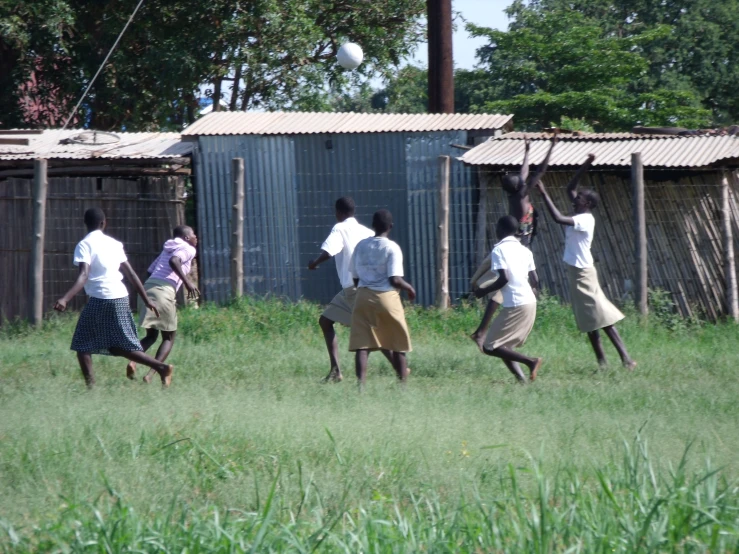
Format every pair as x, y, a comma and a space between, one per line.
253, 53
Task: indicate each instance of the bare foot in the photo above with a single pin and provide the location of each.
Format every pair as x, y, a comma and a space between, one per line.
334, 376
535, 369
630, 365
478, 339
149, 376
131, 370
166, 376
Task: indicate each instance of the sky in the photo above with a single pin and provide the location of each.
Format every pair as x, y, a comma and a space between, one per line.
486, 13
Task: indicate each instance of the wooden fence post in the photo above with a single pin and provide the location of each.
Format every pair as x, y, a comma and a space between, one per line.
237, 229
732, 298
36, 296
640, 233
442, 258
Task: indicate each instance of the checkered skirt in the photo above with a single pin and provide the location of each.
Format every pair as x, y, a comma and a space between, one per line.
105, 324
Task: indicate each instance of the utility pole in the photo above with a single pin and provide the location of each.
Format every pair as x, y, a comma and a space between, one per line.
441, 61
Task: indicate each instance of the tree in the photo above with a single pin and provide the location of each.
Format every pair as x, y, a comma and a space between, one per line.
254, 53
699, 53
555, 63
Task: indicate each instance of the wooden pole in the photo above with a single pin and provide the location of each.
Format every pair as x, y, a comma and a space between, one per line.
640, 233
40, 187
442, 277
732, 295
440, 58
237, 229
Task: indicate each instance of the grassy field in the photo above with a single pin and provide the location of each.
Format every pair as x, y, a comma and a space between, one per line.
248, 452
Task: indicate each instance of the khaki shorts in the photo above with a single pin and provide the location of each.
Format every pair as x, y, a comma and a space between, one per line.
341, 307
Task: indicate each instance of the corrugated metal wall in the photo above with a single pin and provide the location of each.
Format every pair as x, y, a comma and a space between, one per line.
422, 159
271, 256
292, 183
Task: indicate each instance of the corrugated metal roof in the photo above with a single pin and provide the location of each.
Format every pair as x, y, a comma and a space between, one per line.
52, 144
295, 123
610, 149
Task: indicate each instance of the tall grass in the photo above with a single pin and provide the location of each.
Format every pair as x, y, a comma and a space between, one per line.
247, 452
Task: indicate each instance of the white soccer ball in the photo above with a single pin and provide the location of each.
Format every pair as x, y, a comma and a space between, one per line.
350, 56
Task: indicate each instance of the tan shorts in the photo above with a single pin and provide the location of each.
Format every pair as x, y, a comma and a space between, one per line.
163, 294
512, 327
378, 322
341, 307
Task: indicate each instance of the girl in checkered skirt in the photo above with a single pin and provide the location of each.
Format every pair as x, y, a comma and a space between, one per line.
106, 325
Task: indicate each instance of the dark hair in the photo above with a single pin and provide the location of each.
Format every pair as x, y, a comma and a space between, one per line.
506, 226
592, 197
181, 231
345, 205
511, 183
94, 217
382, 220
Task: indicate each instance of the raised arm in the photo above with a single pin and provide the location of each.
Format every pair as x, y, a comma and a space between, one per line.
525, 164
79, 284
573, 184
543, 167
553, 211
130, 274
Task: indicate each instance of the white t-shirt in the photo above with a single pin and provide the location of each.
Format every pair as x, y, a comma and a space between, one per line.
104, 255
511, 255
375, 260
340, 244
578, 239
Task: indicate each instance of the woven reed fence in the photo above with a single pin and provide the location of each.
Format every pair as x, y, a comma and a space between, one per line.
684, 235
141, 213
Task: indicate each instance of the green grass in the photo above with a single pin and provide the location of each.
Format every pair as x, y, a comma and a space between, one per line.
248, 452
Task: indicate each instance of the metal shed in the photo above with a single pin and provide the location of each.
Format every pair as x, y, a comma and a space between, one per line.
689, 180
138, 179
298, 164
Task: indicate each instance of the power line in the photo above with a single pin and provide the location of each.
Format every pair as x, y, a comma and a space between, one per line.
89, 86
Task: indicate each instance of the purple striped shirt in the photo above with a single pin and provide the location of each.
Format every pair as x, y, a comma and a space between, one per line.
160, 268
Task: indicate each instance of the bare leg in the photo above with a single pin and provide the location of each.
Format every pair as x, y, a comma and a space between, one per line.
332, 345
594, 337
479, 335
361, 366
401, 366
85, 360
151, 337
164, 370
514, 368
618, 342
509, 355
164, 349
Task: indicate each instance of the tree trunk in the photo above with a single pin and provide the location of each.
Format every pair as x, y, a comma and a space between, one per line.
235, 87
217, 94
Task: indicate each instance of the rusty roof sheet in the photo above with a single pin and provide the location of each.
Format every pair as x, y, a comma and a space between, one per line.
52, 144
610, 149
294, 123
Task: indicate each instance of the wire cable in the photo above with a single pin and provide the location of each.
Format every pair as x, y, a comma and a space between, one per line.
102, 65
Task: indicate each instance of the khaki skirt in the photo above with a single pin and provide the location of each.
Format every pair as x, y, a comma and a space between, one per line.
378, 322
592, 309
341, 307
511, 327
164, 296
